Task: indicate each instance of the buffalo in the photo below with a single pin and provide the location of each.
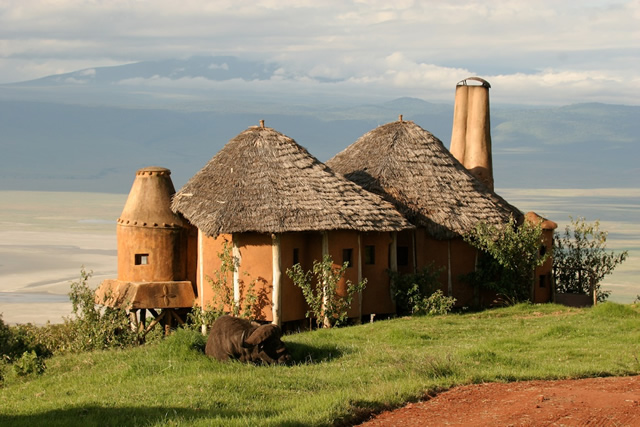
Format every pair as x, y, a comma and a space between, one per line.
241, 339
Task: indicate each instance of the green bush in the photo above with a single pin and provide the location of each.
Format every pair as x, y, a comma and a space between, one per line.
29, 363
320, 289
420, 293
16, 340
580, 259
510, 255
94, 327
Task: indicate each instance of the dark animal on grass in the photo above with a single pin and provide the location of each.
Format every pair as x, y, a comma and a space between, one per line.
241, 339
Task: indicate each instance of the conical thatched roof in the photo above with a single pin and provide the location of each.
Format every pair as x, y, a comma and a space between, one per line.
263, 181
411, 168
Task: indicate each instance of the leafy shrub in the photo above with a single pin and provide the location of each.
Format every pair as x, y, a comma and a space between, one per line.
94, 327
580, 259
511, 255
320, 290
420, 293
16, 340
29, 363
435, 304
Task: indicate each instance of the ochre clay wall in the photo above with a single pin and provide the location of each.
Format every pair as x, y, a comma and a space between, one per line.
165, 249
294, 306
338, 241
192, 257
210, 265
432, 252
376, 298
463, 261
406, 252
256, 267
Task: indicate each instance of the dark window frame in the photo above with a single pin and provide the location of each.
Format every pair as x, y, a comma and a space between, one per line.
347, 256
369, 255
141, 259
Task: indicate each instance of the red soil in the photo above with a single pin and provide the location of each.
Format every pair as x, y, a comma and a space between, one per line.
593, 402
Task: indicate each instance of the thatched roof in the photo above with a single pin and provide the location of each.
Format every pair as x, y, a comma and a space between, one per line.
411, 168
263, 181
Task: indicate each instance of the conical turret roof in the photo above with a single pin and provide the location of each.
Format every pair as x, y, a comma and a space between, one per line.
263, 181
149, 201
412, 169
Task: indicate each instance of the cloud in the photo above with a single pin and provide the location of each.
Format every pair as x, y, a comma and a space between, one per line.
555, 52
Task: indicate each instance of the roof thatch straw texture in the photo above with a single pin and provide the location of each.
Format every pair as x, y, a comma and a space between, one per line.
263, 181
411, 168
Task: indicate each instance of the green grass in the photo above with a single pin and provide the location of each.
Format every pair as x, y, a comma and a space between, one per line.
342, 374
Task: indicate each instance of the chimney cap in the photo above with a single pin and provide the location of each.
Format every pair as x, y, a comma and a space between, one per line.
477, 79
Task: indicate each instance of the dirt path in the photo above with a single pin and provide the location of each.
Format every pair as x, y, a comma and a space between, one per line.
592, 402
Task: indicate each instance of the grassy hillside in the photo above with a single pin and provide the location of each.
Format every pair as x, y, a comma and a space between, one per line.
341, 374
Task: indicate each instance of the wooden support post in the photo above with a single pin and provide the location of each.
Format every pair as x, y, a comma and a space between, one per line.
236, 271
155, 322
276, 298
359, 319
203, 327
143, 319
415, 250
167, 321
177, 318
325, 251
133, 320
476, 287
449, 275
393, 262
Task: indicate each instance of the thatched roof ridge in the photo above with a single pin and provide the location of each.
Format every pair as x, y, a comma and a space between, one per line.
411, 168
263, 181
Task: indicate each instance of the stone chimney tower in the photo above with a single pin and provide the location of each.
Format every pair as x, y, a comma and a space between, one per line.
471, 134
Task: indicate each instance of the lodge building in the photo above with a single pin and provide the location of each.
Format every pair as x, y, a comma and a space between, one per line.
396, 200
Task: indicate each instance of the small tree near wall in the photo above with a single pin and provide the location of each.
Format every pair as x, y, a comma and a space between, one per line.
513, 255
320, 289
581, 260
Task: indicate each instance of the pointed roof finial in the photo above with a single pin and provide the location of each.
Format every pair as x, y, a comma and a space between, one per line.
262, 124
400, 118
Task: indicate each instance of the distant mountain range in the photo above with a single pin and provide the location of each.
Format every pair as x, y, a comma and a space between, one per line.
91, 129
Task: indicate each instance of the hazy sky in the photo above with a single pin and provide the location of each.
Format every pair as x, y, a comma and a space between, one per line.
540, 51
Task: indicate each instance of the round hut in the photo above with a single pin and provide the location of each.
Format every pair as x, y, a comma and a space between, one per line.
276, 205
411, 168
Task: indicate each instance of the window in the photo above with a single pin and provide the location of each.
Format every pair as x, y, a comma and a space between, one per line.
296, 256
347, 256
543, 250
369, 255
543, 282
403, 255
142, 259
